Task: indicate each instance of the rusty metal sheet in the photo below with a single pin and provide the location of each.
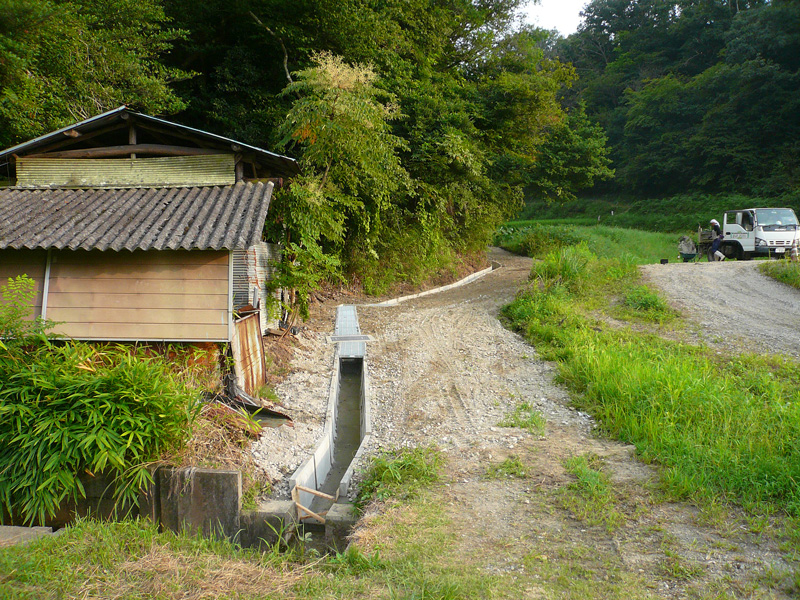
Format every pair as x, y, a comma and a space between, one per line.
248, 353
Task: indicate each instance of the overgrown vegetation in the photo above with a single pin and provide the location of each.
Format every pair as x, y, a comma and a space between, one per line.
720, 426
398, 473
69, 410
628, 246
590, 498
65, 61
783, 270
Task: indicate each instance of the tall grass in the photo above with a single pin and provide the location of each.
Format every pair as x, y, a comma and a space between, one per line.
720, 426
538, 240
784, 271
728, 427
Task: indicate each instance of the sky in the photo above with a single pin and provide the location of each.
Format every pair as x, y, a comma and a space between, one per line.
563, 15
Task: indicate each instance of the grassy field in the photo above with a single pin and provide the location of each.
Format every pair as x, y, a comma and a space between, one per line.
536, 239
673, 214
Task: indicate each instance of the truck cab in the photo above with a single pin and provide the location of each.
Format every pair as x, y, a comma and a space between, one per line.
753, 232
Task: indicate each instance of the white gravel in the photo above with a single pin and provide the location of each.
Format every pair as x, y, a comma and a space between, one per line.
734, 304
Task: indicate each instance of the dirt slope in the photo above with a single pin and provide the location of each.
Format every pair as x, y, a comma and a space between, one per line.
444, 371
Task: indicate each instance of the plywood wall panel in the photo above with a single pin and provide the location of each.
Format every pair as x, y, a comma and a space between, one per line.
144, 331
167, 295
193, 301
32, 263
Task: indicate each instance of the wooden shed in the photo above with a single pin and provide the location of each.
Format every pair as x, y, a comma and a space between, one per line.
135, 228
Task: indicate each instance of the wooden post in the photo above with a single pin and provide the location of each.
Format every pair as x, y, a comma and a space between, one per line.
132, 136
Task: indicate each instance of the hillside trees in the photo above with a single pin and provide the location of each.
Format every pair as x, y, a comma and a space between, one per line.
471, 102
63, 61
460, 103
694, 95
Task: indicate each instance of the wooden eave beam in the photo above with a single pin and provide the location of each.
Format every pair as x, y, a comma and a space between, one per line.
128, 149
175, 133
80, 139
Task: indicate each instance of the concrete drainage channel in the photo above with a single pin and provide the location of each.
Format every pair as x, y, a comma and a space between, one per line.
319, 483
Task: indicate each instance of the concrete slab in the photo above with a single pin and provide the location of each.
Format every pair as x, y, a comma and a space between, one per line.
12, 536
205, 501
339, 522
273, 522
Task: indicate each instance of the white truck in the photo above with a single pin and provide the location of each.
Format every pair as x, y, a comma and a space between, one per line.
753, 232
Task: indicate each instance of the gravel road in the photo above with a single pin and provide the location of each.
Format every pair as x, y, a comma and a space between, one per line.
733, 304
444, 371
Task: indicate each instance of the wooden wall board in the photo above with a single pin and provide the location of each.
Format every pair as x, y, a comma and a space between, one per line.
172, 171
144, 332
32, 263
157, 295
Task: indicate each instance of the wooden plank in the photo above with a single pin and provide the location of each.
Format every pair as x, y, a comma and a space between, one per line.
310, 513
132, 300
138, 315
142, 331
140, 286
303, 488
116, 151
211, 169
142, 257
133, 271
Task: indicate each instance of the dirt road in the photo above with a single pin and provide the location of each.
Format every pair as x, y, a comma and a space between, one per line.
733, 304
444, 371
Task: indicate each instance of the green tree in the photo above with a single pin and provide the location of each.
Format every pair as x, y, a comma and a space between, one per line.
574, 157
351, 170
65, 61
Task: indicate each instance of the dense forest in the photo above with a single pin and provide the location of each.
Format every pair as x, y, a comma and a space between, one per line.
694, 95
420, 124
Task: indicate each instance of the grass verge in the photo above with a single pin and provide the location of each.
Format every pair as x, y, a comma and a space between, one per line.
783, 271
721, 426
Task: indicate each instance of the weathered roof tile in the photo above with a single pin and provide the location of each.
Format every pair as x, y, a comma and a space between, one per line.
199, 218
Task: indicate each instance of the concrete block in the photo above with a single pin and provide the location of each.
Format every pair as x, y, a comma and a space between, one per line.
205, 501
10, 536
339, 522
150, 499
274, 522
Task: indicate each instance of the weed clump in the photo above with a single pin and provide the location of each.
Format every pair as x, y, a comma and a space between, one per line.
399, 474
526, 417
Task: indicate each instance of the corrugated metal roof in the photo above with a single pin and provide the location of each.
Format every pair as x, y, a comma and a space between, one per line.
190, 218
